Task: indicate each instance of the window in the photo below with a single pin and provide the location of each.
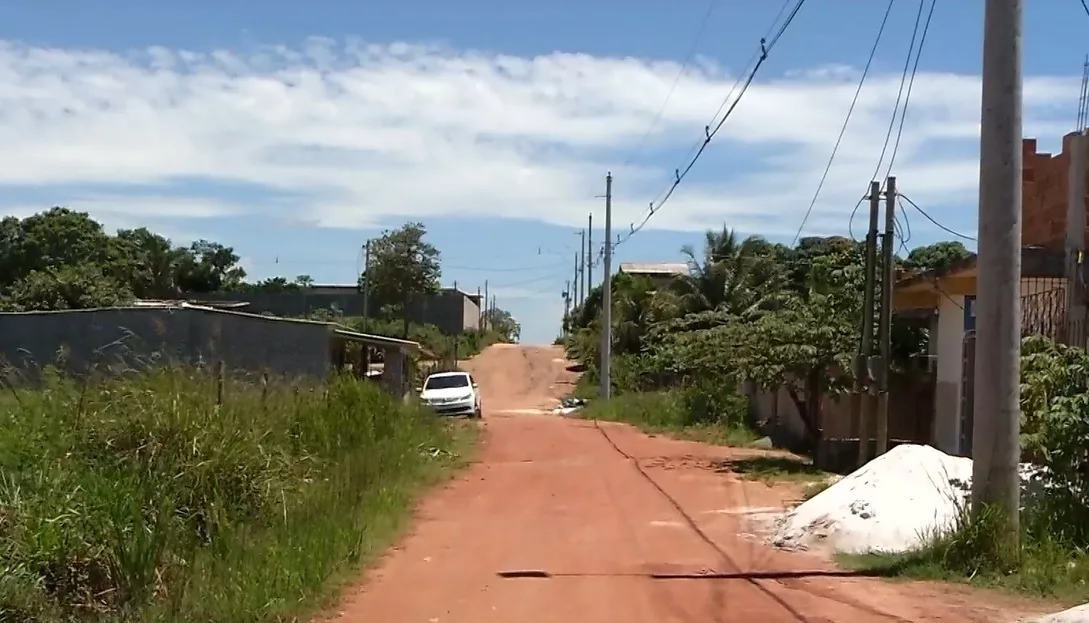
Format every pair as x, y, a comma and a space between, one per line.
447, 381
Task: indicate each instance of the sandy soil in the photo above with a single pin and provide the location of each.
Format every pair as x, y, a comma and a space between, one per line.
564, 520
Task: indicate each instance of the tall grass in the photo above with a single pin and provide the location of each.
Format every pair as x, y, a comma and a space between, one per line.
144, 500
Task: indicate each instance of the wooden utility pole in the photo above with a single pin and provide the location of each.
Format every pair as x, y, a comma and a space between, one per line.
607, 295
1075, 241
995, 445
884, 324
862, 400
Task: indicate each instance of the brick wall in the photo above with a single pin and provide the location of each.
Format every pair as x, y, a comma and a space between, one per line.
1045, 188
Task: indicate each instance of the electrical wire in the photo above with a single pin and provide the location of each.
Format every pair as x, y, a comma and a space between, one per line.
1085, 6
933, 221
766, 45
900, 96
680, 74
846, 121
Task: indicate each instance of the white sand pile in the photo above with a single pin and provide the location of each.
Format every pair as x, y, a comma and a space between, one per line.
1077, 614
893, 504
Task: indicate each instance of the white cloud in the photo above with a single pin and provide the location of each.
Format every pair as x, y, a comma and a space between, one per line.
351, 134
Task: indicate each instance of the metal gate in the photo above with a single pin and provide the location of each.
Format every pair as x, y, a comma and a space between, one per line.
967, 391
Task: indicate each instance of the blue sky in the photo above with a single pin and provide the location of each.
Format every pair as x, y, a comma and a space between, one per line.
294, 132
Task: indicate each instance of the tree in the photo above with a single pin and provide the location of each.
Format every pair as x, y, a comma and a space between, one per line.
403, 266
67, 287
937, 256
152, 269
304, 281
503, 323
741, 277
209, 267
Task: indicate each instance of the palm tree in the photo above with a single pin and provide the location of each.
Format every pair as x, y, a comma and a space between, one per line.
740, 277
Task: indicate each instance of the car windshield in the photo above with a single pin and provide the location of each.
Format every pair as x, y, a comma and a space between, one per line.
447, 382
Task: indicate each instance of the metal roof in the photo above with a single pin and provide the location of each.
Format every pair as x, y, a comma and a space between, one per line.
652, 268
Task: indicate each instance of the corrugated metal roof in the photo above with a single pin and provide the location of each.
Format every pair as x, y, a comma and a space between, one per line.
652, 268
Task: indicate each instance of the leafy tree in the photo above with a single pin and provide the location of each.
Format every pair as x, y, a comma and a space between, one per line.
503, 323
742, 277
151, 266
403, 266
209, 267
304, 281
937, 256
67, 287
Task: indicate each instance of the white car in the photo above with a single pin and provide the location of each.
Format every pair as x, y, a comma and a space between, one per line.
452, 393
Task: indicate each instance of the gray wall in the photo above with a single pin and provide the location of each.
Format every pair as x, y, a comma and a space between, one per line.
136, 337
452, 312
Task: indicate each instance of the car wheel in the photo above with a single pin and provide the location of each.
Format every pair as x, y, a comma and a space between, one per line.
479, 413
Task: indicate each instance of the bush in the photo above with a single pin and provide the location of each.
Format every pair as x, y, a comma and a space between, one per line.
143, 499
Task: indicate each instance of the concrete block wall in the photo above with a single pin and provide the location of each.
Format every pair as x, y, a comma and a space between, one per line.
132, 338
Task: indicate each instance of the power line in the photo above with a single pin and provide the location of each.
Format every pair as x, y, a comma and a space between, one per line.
680, 74
904, 77
846, 121
933, 221
766, 45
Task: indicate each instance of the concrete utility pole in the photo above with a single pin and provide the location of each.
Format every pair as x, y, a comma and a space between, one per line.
995, 445
480, 315
366, 305
484, 310
884, 325
862, 400
566, 306
580, 284
574, 288
1075, 241
588, 276
607, 295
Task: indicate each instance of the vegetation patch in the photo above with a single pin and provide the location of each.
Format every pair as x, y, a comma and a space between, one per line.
1051, 555
688, 414
148, 499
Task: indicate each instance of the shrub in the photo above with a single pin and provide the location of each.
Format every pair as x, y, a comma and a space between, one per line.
143, 499
674, 409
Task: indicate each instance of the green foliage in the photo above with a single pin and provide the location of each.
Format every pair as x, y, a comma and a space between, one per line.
502, 323
750, 311
720, 413
938, 256
402, 266
63, 259
143, 500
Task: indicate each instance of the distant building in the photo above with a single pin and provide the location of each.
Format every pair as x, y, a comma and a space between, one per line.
660, 274
1044, 196
451, 310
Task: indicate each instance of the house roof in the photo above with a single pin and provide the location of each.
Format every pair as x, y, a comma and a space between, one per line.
651, 268
1036, 261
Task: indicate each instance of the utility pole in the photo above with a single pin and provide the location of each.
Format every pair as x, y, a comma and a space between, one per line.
884, 325
995, 444
484, 311
566, 307
574, 287
366, 305
607, 295
588, 276
862, 401
480, 310
1075, 242
581, 283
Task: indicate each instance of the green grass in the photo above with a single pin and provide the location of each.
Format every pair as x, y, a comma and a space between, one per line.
676, 414
974, 554
144, 500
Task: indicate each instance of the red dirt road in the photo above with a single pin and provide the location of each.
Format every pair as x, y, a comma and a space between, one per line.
654, 539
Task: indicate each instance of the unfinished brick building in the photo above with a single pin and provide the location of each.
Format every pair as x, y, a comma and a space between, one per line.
1043, 210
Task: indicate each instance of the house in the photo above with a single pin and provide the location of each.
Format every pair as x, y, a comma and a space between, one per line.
660, 274
947, 298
